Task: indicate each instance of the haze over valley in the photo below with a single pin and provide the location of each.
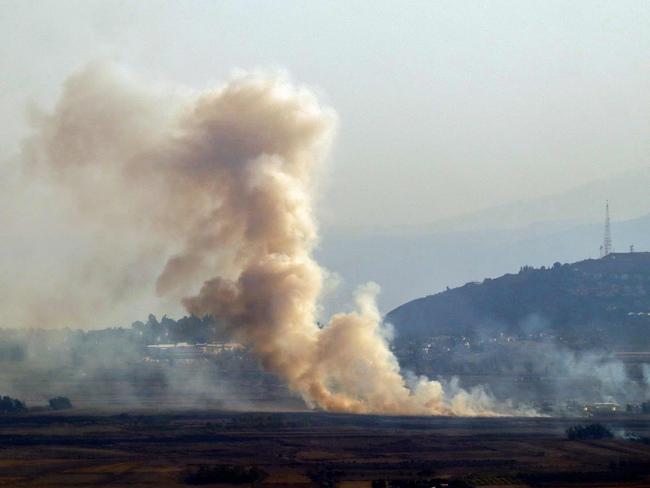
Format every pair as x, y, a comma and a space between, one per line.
360, 244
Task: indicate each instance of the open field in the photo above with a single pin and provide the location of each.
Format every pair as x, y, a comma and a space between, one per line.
145, 448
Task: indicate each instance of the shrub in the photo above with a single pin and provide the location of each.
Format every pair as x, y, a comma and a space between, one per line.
223, 473
11, 405
588, 432
325, 476
60, 403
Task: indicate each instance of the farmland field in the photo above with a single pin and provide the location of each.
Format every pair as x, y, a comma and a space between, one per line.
301, 449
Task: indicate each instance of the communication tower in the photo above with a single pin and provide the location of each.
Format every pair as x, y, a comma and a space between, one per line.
607, 241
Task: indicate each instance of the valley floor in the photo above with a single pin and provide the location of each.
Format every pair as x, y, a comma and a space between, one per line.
303, 449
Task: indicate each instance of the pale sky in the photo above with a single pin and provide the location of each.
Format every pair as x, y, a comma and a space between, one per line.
445, 107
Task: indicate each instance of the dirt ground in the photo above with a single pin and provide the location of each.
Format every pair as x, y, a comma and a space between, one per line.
156, 449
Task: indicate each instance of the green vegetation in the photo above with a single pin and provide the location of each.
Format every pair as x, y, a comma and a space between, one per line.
588, 432
60, 403
587, 304
223, 473
11, 405
325, 476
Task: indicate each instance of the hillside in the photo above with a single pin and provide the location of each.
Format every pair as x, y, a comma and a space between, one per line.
592, 303
414, 265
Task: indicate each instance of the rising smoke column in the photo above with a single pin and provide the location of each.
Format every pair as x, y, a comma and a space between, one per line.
224, 181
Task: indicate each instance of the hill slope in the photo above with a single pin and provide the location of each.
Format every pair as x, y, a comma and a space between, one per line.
596, 302
412, 265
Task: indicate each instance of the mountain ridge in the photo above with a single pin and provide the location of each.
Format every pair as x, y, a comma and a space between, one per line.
588, 303
408, 266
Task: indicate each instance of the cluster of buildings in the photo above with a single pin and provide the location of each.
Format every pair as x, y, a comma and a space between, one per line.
186, 351
594, 409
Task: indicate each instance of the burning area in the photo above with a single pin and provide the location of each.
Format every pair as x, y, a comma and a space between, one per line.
209, 196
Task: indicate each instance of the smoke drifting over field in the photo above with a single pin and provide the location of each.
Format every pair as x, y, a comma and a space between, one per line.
223, 182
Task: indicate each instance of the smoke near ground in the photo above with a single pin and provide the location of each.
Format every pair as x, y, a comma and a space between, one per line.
211, 196
114, 368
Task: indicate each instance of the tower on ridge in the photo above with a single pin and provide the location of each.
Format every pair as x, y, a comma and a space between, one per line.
607, 241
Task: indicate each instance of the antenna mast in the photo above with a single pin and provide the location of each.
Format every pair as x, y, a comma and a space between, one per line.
607, 241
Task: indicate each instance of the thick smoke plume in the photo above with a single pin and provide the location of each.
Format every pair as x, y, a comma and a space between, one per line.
222, 182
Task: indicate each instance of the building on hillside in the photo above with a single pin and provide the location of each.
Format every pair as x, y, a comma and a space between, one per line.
184, 350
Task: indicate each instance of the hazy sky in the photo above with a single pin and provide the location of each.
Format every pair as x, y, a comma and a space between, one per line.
445, 107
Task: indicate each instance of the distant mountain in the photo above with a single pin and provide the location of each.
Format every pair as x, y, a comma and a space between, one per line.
627, 192
592, 303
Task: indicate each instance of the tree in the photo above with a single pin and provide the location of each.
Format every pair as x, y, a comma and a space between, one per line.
11, 405
60, 403
588, 432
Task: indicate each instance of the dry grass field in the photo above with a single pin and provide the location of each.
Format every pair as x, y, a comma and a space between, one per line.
157, 449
